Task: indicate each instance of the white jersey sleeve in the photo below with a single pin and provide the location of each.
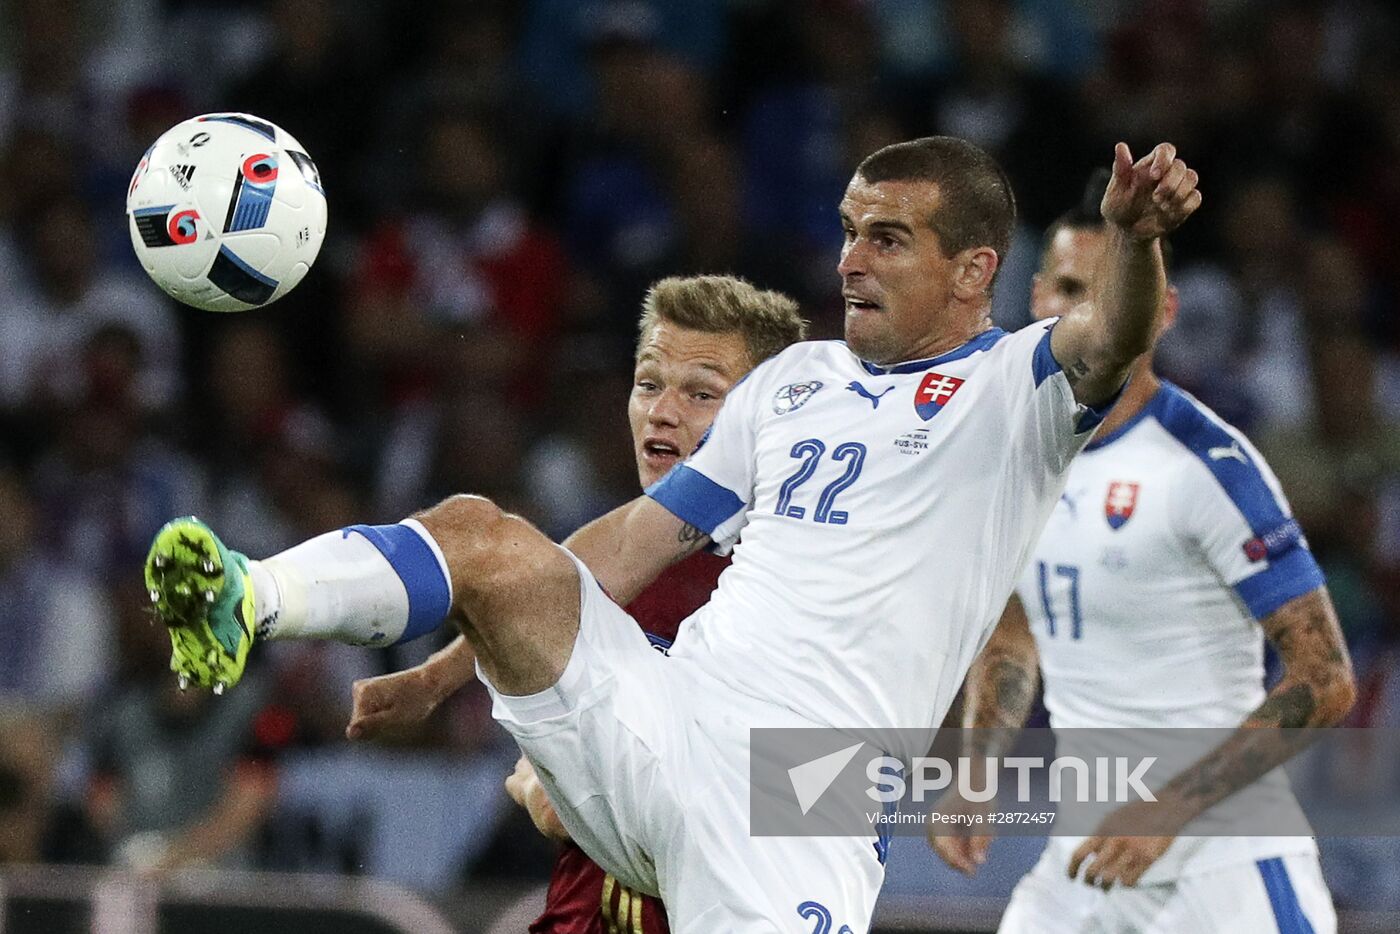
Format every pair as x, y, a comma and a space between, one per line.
1231, 506
713, 488
1058, 424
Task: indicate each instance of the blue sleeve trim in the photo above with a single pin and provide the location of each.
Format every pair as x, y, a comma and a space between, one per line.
1286, 578
1093, 415
1149, 409
695, 498
1224, 456
1043, 362
429, 597
1291, 570
1288, 914
1044, 365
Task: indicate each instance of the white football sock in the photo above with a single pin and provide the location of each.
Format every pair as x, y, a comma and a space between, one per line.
365, 585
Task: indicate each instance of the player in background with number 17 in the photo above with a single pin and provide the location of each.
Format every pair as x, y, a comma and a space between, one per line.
1169, 559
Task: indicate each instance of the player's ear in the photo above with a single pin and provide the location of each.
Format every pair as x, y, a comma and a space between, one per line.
976, 267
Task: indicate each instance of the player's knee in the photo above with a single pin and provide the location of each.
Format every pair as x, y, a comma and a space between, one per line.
459, 517
488, 551
467, 529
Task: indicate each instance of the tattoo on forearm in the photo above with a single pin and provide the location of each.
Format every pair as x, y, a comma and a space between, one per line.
690, 536
1288, 707
1243, 759
1240, 761
1305, 635
1309, 642
1001, 699
1015, 689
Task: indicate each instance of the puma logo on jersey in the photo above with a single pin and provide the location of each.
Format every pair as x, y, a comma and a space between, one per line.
1220, 453
864, 393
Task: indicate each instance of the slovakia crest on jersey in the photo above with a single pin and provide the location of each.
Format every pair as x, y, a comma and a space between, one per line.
794, 396
1122, 500
934, 392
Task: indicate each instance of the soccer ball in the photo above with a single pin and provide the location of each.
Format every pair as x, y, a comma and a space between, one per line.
226, 212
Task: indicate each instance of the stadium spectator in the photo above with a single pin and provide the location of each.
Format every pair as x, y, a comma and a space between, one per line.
56, 620
177, 778
28, 751
105, 475
556, 33
331, 59
804, 125
45, 327
282, 451
464, 255
618, 195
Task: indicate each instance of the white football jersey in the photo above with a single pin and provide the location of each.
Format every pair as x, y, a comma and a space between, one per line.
885, 511
1171, 540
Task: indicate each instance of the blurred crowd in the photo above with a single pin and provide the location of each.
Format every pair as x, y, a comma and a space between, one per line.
504, 179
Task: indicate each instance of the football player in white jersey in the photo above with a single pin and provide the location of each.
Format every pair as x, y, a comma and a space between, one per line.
889, 488
1168, 560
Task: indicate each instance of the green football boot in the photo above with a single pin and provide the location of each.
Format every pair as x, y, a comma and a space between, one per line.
203, 593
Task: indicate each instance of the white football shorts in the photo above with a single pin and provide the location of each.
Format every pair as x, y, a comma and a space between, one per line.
1284, 894
646, 760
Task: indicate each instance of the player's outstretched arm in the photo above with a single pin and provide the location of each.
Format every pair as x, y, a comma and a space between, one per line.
1098, 341
404, 699
997, 697
1316, 690
627, 548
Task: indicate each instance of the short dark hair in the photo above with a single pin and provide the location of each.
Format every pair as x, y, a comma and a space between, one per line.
976, 205
768, 321
1087, 215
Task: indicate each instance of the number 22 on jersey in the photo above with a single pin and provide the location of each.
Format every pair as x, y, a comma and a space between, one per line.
810, 451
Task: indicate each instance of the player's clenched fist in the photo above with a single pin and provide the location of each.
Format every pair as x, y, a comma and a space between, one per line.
391, 703
524, 788
1152, 196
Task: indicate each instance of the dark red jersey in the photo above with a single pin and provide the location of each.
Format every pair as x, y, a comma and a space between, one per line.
583, 898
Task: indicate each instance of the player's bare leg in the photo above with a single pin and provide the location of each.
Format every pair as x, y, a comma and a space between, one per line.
515, 594
463, 559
